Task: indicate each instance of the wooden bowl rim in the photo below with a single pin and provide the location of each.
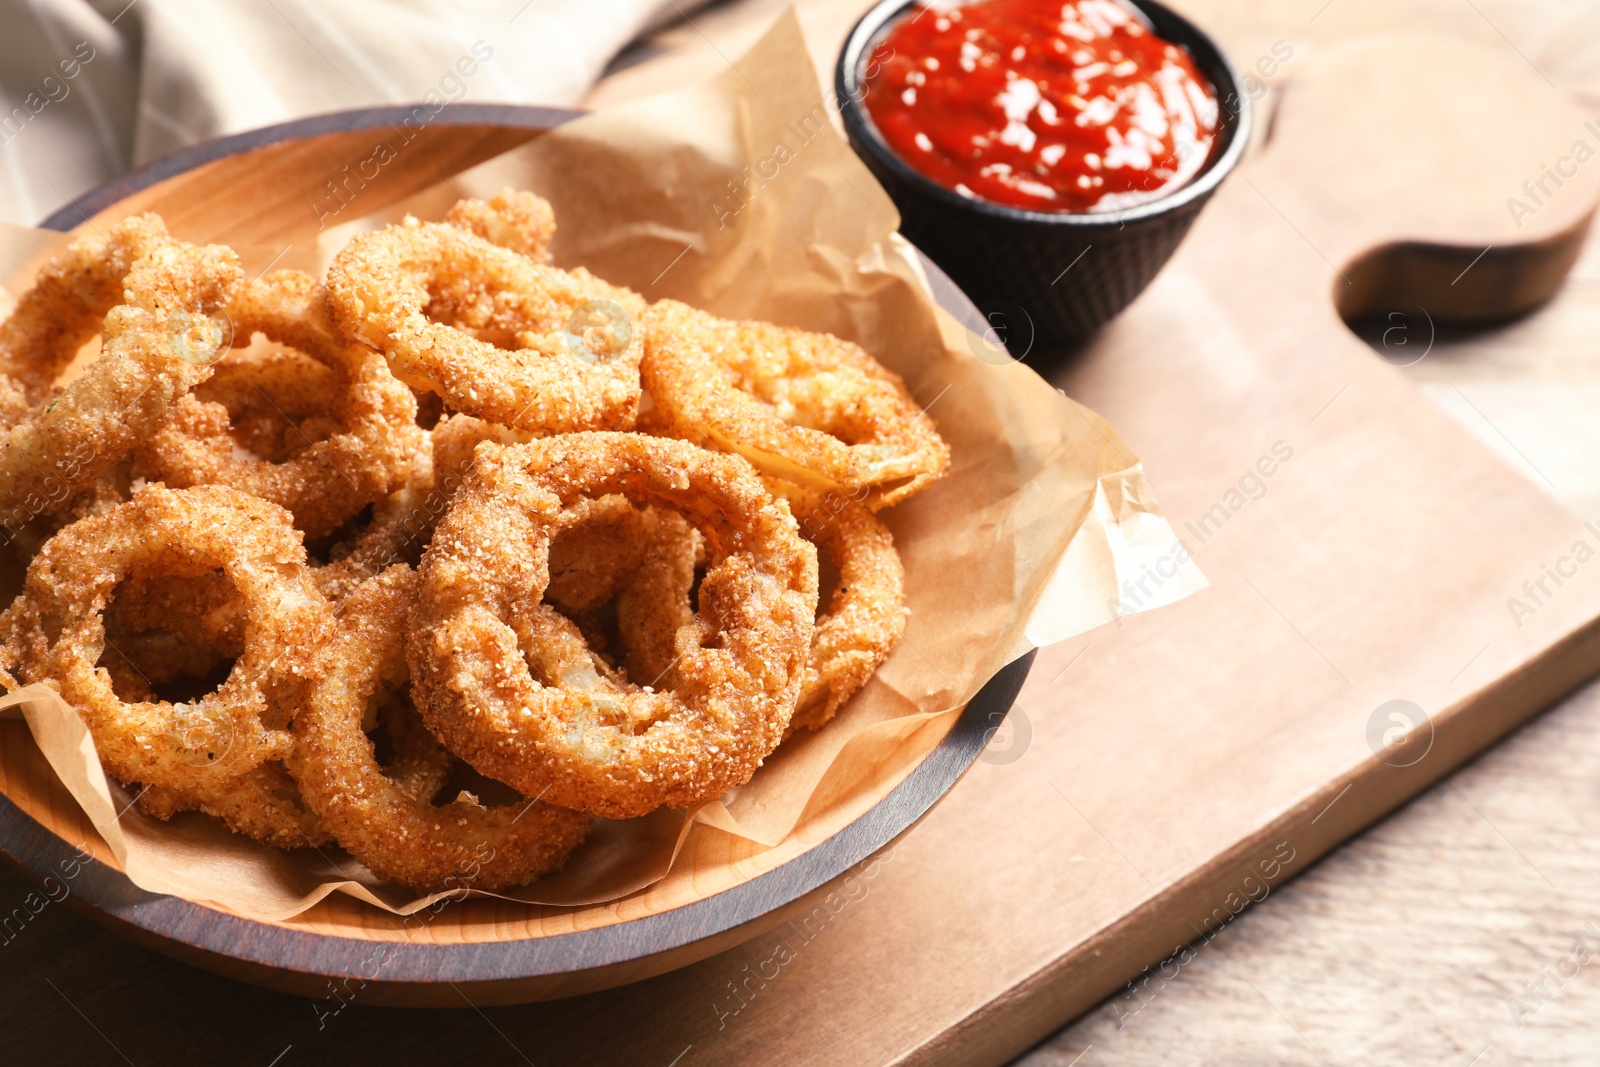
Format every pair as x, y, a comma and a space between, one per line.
110, 897
84, 207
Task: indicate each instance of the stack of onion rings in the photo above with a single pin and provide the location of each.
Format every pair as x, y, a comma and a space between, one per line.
604, 611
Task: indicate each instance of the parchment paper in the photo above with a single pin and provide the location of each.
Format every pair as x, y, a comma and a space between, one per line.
738, 196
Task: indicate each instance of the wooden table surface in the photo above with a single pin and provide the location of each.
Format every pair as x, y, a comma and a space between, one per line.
1459, 931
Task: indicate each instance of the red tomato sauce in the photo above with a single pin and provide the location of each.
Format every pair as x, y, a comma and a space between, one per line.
1050, 105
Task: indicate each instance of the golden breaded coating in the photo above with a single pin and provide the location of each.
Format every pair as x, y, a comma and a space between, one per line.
156, 346
511, 218
509, 684
399, 834
805, 407
63, 311
558, 537
56, 631
340, 444
864, 618
495, 334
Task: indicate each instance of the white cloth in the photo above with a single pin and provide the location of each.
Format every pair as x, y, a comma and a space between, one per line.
90, 88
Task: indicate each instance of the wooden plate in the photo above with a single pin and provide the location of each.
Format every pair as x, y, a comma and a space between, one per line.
251, 189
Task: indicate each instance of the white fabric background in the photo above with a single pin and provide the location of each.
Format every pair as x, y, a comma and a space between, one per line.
89, 88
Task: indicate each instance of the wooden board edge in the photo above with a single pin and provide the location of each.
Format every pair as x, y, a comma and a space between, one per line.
1148, 941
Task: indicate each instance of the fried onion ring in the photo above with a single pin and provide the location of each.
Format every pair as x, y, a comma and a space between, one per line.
864, 618
339, 445
156, 346
614, 550
508, 683
399, 529
147, 616
653, 600
400, 836
806, 407
263, 803
267, 804
63, 311
511, 218
495, 334
57, 631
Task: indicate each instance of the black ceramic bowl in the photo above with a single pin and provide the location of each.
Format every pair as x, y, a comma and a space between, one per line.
1014, 263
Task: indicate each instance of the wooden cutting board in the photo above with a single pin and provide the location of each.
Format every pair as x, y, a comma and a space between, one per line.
1388, 599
